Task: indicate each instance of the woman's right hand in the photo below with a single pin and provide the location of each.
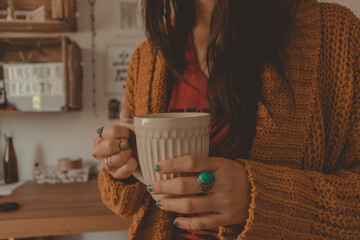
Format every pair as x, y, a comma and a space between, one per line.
112, 149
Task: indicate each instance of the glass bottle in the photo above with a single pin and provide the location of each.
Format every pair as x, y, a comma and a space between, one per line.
2, 94
10, 162
10, 10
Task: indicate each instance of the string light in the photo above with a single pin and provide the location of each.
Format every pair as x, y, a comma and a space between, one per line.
93, 36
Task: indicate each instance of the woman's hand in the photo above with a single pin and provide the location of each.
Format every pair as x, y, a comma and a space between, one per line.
112, 148
227, 202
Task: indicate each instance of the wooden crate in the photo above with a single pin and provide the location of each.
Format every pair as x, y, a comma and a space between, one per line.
60, 16
49, 49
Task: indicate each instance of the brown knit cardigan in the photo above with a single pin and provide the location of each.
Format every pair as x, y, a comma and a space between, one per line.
304, 168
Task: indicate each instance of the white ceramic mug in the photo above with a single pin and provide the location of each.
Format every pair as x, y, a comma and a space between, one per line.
162, 136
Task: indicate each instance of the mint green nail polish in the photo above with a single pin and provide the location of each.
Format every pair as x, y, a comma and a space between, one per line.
128, 116
149, 188
176, 224
158, 203
157, 168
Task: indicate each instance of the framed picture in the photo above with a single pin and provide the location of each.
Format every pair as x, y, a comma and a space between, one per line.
118, 59
128, 18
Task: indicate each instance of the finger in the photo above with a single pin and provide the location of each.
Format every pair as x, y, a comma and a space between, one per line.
210, 221
106, 147
188, 205
96, 139
177, 186
126, 170
126, 115
121, 158
189, 164
115, 131
116, 161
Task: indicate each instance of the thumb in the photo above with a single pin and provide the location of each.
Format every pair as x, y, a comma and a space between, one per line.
126, 116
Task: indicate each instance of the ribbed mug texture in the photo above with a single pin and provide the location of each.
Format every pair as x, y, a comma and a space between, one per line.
159, 138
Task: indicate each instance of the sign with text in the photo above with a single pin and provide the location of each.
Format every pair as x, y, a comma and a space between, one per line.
118, 59
35, 86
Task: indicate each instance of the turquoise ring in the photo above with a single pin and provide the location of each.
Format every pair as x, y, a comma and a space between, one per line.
99, 131
206, 181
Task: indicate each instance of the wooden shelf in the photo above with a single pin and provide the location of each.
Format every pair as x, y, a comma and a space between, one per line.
44, 50
9, 111
64, 23
28, 112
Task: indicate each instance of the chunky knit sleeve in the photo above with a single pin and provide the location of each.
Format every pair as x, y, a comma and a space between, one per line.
132, 79
124, 197
290, 203
298, 204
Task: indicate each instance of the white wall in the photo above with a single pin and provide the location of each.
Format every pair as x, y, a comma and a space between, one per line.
50, 136
354, 5
55, 135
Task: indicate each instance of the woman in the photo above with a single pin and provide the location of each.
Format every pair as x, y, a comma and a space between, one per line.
282, 82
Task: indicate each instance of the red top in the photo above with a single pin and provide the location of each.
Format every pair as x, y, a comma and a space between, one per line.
189, 95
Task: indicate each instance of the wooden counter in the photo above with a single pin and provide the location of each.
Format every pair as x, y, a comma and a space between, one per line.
59, 209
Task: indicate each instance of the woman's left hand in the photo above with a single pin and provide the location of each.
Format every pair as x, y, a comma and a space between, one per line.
227, 202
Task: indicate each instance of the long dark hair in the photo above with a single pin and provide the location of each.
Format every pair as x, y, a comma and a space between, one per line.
244, 36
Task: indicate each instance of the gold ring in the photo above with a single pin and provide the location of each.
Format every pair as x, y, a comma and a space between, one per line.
108, 162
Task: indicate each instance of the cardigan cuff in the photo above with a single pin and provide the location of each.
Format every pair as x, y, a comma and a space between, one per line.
124, 196
282, 200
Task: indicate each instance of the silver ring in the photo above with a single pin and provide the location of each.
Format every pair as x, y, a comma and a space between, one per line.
108, 162
123, 145
206, 181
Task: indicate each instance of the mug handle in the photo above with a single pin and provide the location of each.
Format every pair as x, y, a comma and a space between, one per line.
137, 173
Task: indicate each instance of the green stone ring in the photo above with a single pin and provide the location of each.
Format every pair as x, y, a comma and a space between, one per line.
99, 131
206, 181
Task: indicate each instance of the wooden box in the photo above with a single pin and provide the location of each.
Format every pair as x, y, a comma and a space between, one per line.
56, 16
45, 50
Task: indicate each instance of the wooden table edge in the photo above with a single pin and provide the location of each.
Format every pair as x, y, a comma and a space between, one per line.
56, 226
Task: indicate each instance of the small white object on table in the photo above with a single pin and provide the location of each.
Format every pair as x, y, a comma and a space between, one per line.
53, 175
6, 189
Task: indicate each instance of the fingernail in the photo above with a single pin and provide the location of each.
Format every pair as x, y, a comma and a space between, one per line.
149, 188
176, 224
158, 203
157, 168
128, 116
